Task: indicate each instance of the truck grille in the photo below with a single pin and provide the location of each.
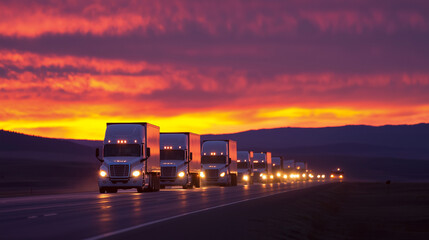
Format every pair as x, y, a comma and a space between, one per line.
119, 170
168, 171
212, 173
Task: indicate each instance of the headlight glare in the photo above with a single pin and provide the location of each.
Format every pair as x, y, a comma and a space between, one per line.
136, 173
103, 173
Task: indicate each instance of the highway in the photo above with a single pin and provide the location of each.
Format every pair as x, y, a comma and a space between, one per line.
95, 216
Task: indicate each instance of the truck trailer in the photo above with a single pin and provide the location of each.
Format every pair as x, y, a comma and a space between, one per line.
180, 159
130, 158
245, 166
219, 162
262, 168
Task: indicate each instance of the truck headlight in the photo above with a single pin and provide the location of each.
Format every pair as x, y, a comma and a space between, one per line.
103, 173
341, 176
271, 176
202, 175
264, 177
222, 174
279, 174
285, 176
246, 178
136, 173
323, 176
303, 175
332, 175
318, 176
181, 174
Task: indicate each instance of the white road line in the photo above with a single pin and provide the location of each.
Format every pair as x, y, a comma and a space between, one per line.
32, 217
49, 214
109, 234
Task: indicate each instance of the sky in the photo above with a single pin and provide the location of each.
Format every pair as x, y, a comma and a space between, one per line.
68, 67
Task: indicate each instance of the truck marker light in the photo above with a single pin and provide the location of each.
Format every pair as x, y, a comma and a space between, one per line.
341, 176
238, 160
181, 174
135, 141
103, 173
108, 141
303, 175
221, 153
274, 164
213, 154
136, 173
180, 147
246, 178
256, 161
318, 176
271, 176
222, 174
338, 169
264, 177
202, 175
332, 175
261, 175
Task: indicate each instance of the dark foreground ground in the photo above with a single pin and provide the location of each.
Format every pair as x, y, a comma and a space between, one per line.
332, 211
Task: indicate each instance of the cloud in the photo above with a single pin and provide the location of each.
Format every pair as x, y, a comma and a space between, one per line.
211, 67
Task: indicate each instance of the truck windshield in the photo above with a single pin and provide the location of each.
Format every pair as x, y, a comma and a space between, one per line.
122, 150
258, 165
242, 165
172, 155
213, 159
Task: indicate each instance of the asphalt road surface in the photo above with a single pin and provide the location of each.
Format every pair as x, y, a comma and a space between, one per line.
96, 216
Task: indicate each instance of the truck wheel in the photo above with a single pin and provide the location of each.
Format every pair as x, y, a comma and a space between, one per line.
102, 190
154, 183
197, 181
233, 180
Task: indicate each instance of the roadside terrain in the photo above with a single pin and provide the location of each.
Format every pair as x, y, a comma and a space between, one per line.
331, 211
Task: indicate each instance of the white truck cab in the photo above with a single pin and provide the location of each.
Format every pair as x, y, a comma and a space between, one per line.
129, 158
180, 159
219, 162
245, 166
262, 168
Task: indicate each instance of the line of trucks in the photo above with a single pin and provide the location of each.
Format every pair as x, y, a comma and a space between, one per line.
137, 155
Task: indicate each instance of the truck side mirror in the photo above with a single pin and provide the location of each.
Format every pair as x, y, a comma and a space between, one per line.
190, 156
97, 155
147, 152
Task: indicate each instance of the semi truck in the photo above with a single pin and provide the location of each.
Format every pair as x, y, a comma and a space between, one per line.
262, 168
130, 158
180, 159
219, 162
301, 168
277, 162
245, 166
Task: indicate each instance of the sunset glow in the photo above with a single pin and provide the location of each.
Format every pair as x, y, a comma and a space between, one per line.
67, 68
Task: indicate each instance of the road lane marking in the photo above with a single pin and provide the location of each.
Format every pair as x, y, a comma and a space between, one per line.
49, 214
32, 217
109, 234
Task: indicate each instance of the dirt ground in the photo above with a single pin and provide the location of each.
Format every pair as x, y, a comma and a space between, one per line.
332, 211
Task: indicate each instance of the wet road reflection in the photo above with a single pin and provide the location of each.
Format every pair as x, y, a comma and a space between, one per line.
89, 214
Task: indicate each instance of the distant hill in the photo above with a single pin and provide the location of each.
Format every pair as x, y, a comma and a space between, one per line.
399, 136
12, 141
